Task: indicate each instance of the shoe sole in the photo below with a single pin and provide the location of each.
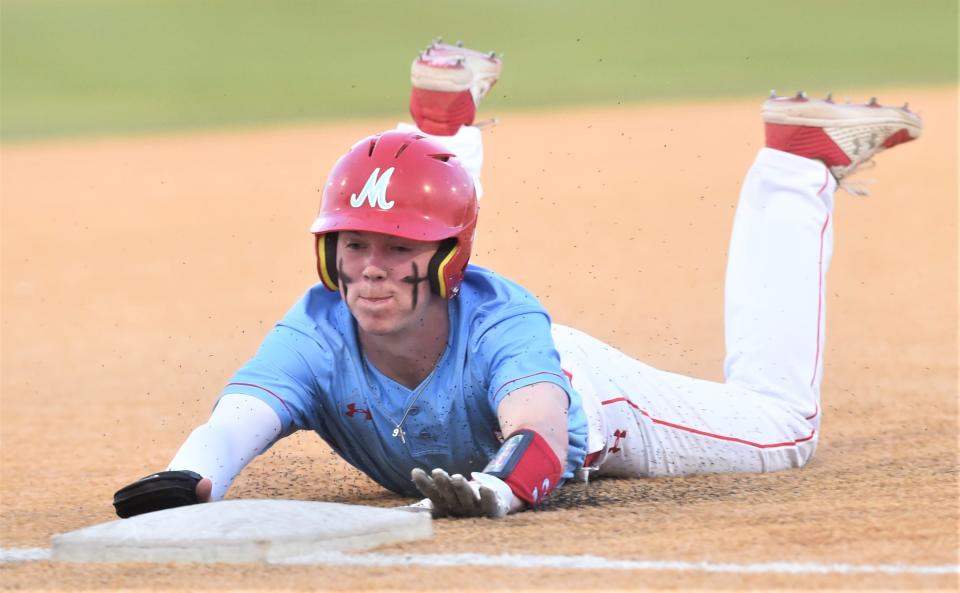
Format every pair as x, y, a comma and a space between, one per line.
446, 79
449, 78
482, 64
821, 114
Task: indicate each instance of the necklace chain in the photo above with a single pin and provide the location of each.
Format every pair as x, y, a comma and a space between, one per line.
398, 431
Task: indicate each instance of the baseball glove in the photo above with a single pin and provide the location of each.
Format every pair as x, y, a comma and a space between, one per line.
162, 490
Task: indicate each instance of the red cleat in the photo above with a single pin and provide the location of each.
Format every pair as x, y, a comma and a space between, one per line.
843, 136
448, 83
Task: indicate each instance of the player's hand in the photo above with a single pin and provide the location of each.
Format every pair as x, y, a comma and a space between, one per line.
483, 496
204, 490
161, 490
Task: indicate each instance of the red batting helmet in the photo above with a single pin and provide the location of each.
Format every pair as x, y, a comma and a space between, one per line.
406, 185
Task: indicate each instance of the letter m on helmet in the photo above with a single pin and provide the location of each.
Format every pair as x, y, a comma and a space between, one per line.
374, 191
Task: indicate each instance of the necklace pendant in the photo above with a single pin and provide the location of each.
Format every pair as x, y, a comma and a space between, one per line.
398, 434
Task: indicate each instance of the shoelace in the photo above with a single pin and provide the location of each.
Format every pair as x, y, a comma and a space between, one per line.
859, 188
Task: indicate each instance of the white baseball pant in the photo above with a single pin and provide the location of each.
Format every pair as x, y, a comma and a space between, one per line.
766, 415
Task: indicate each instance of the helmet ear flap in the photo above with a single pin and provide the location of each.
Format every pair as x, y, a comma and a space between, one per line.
326, 247
437, 268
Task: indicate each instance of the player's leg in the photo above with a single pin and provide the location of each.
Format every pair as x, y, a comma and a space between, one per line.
779, 253
658, 423
783, 240
448, 82
765, 417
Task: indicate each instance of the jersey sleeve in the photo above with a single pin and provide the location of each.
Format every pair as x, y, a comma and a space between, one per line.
519, 351
283, 374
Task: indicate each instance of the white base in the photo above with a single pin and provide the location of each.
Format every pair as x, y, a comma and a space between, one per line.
237, 531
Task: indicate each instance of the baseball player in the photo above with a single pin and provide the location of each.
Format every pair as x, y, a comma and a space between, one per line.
441, 379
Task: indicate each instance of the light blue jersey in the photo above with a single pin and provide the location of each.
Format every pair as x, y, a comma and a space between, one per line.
311, 371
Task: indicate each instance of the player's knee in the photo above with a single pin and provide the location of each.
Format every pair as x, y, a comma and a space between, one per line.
790, 456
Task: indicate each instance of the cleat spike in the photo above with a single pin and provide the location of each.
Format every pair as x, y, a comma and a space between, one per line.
773, 94
868, 127
459, 43
492, 55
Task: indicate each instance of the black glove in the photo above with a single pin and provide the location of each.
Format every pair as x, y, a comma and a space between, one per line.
163, 490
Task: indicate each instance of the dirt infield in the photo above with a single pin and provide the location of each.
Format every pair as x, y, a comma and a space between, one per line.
139, 273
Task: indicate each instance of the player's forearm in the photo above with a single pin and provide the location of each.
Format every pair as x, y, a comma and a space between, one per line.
541, 407
240, 428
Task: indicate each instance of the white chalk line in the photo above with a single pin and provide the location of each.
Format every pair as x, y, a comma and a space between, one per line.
565, 563
23, 554
600, 563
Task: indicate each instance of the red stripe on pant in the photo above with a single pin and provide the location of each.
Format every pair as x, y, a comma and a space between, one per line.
710, 434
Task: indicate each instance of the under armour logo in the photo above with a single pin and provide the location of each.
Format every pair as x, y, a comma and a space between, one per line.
353, 409
538, 494
374, 191
617, 435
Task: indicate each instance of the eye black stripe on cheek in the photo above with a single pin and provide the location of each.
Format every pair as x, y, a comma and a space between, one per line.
414, 280
345, 281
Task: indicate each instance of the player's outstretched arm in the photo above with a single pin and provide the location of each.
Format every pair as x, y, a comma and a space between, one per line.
542, 407
240, 428
523, 472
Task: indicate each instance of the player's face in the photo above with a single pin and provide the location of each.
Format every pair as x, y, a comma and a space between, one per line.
383, 280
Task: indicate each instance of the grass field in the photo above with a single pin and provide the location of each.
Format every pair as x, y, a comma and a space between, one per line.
119, 66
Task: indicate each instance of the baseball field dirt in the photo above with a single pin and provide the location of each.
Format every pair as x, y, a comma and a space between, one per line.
139, 273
